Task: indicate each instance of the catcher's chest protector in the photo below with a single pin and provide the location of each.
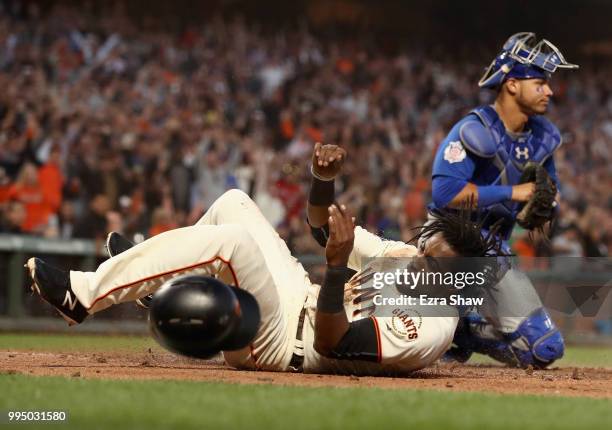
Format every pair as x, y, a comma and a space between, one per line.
511, 156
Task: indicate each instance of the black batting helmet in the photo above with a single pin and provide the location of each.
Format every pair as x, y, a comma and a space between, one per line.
199, 316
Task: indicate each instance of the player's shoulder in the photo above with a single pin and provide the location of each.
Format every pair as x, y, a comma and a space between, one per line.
476, 136
546, 132
400, 250
544, 124
473, 133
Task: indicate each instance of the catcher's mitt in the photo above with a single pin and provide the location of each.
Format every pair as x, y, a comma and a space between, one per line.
540, 209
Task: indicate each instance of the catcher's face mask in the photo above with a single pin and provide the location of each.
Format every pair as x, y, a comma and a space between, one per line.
522, 57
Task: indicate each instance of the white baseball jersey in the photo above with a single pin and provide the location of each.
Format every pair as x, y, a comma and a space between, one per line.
406, 341
235, 242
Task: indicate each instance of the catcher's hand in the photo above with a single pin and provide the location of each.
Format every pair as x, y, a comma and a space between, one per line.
540, 208
327, 160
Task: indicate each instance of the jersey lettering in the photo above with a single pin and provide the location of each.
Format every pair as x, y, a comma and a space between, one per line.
403, 324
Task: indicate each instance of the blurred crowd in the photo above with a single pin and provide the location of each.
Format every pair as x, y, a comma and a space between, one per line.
105, 126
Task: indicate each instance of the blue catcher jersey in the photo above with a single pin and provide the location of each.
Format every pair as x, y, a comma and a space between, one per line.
479, 150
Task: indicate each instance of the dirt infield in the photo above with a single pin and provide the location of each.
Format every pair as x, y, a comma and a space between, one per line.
569, 381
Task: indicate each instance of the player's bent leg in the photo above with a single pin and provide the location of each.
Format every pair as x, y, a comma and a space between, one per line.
142, 268
537, 341
512, 326
227, 251
236, 207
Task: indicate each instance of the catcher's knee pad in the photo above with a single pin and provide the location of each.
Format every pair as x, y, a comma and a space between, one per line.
537, 341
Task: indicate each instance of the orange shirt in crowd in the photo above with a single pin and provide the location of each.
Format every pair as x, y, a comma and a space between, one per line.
414, 201
4, 192
287, 129
414, 205
37, 210
40, 201
526, 252
314, 134
523, 248
345, 66
51, 182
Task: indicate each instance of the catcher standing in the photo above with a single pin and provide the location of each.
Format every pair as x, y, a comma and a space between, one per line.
501, 156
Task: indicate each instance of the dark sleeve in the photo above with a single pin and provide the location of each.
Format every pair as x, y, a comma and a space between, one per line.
359, 343
320, 234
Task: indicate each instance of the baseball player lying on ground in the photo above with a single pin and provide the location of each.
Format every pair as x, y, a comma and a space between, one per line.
304, 327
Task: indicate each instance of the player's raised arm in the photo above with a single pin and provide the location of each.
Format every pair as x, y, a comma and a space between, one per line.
327, 162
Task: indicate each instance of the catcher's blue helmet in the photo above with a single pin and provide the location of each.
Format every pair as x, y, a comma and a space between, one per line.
522, 57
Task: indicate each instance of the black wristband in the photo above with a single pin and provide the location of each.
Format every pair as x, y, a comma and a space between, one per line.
320, 234
331, 296
321, 192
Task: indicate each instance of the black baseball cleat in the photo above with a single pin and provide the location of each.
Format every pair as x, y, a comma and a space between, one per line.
53, 286
115, 245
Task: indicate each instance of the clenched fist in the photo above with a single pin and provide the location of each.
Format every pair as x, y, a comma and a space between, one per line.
327, 160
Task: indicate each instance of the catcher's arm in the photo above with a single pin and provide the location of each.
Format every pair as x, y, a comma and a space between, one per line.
518, 193
451, 186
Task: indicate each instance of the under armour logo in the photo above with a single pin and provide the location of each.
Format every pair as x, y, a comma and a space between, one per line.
524, 153
68, 301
